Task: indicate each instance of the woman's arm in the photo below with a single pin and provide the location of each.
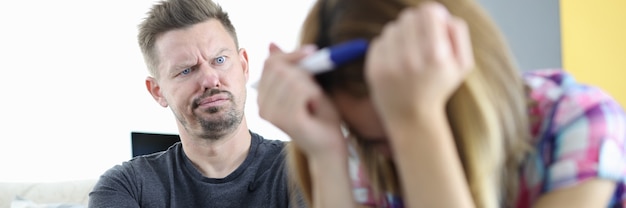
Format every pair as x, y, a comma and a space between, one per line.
291, 100
330, 180
412, 69
591, 193
428, 164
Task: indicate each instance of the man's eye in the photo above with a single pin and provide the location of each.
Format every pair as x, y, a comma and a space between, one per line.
186, 71
220, 60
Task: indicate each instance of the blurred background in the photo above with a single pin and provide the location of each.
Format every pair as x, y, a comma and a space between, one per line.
72, 78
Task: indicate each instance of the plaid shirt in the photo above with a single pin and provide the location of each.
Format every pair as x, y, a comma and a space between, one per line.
582, 135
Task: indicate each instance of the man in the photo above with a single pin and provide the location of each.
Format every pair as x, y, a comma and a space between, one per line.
198, 70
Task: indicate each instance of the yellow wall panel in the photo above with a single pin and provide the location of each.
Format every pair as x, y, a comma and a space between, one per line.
594, 43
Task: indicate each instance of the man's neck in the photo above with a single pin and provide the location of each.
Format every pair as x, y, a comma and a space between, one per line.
218, 158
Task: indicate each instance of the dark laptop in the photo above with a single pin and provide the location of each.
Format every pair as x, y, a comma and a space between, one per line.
144, 143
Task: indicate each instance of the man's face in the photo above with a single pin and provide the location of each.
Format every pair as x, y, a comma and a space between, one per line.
202, 77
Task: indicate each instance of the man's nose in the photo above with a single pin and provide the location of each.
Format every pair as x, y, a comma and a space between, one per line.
209, 77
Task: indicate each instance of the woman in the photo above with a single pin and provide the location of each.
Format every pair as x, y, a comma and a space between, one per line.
437, 115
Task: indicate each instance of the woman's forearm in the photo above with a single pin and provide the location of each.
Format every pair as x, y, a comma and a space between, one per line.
430, 171
331, 180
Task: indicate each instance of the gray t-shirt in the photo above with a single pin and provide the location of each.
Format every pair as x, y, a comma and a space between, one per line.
168, 179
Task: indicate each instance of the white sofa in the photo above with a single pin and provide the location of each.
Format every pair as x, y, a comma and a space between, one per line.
46, 194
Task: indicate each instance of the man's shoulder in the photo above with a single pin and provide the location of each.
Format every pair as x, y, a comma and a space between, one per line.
126, 182
267, 141
137, 164
269, 152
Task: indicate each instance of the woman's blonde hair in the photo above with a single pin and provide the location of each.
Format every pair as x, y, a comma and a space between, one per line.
487, 114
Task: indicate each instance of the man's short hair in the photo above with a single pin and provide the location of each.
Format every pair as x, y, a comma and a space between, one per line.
169, 15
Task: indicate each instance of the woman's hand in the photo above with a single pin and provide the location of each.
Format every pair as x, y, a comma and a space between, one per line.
289, 98
412, 69
418, 61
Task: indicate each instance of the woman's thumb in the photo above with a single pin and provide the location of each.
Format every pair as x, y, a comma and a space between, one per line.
274, 49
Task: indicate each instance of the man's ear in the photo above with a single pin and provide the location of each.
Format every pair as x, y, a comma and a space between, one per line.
155, 90
244, 62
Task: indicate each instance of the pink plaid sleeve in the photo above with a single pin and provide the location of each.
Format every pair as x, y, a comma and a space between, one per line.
588, 135
585, 136
582, 136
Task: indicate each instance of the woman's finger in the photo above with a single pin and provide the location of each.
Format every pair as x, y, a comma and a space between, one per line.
298, 54
274, 49
461, 43
407, 43
436, 41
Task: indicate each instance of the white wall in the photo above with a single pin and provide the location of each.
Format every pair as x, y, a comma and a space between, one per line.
72, 81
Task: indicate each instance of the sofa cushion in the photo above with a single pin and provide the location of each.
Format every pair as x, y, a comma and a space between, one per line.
65, 192
20, 202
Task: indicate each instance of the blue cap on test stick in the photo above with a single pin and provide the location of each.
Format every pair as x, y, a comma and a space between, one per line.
329, 58
348, 51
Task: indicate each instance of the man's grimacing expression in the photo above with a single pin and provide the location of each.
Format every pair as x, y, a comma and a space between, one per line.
202, 77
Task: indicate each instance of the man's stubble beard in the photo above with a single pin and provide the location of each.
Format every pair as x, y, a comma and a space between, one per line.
215, 127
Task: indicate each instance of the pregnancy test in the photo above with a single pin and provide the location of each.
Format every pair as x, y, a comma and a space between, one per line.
329, 58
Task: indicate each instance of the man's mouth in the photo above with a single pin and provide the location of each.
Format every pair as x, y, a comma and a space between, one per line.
212, 98
213, 101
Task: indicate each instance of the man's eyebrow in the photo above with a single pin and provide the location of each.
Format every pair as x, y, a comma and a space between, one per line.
182, 64
187, 63
221, 51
